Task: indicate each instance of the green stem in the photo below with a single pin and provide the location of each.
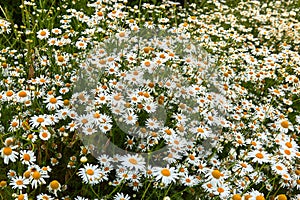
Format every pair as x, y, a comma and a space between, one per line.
168, 189
144, 194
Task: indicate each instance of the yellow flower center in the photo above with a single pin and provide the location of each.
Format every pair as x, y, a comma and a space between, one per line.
289, 144
236, 197
200, 130
19, 182
247, 197
284, 124
54, 185
9, 93
244, 165
90, 172
220, 190
44, 134
22, 94
259, 155
53, 100
60, 59
100, 14
7, 151
168, 131
3, 183
40, 120
122, 34
147, 63
281, 197
133, 161
36, 175
260, 197
287, 152
27, 174
165, 172
26, 157
14, 124
216, 174
21, 197
43, 33
279, 167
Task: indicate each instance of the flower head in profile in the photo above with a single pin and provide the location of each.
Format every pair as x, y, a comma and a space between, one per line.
54, 186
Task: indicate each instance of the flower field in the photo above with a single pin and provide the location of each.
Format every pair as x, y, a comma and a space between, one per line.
109, 99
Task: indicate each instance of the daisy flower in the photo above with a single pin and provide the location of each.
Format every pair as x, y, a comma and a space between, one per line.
22, 197
223, 191
283, 125
130, 117
43, 34
43, 196
189, 180
150, 107
54, 186
23, 96
90, 174
133, 162
80, 198
19, 182
81, 45
62, 59
121, 196
56, 31
215, 176
104, 160
27, 157
14, 125
259, 156
165, 175
40, 120
254, 195
279, 168
8, 154
44, 134
152, 123
53, 103
37, 177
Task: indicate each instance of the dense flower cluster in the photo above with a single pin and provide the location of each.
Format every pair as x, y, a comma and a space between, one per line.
100, 100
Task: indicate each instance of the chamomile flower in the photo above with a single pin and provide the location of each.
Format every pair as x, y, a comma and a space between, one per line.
44, 134
259, 156
43, 34
166, 175
19, 182
133, 162
43, 196
8, 154
27, 157
53, 103
90, 174
54, 186
40, 120
283, 125
121, 196
37, 177
22, 197
279, 168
